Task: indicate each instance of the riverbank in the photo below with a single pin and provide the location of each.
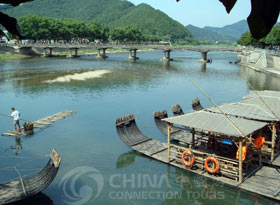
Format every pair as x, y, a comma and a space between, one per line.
11, 56
260, 61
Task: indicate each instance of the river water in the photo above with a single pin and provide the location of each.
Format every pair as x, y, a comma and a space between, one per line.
97, 167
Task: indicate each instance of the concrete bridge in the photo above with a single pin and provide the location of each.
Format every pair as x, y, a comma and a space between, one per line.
33, 49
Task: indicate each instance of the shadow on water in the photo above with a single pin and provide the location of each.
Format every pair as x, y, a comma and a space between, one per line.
39, 198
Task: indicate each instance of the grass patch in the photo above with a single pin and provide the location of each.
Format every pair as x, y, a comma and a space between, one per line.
11, 56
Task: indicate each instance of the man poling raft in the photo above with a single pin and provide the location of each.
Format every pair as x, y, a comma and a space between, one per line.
42, 123
28, 126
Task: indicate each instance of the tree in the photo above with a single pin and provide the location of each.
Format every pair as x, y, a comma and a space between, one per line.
263, 16
127, 34
97, 31
246, 39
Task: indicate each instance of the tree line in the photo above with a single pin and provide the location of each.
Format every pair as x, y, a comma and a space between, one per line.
272, 39
46, 28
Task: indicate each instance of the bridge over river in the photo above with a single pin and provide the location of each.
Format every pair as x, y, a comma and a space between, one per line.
32, 49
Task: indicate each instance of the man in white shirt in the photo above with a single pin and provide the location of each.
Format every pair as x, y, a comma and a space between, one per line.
15, 114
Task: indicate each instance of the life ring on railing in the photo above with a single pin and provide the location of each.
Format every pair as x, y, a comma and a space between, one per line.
217, 166
259, 141
191, 155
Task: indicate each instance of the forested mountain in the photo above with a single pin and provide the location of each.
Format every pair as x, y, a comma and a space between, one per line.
204, 34
233, 32
113, 13
227, 33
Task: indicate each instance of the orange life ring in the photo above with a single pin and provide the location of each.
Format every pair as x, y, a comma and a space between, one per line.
217, 166
259, 141
190, 154
244, 151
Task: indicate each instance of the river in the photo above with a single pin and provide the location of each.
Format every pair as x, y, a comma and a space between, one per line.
97, 167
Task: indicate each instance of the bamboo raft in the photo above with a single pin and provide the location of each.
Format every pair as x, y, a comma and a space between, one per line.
23, 188
176, 133
260, 179
42, 123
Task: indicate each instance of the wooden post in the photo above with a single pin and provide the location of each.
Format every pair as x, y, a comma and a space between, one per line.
168, 140
260, 157
273, 140
240, 161
193, 137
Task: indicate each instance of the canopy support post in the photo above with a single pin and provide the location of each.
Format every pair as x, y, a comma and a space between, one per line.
168, 140
240, 162
273, 140
193, 137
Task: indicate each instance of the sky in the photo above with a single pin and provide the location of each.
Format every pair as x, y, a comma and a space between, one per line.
200, 12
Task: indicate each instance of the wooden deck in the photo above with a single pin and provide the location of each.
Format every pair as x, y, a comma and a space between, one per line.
265, 182
276, 162
42, 123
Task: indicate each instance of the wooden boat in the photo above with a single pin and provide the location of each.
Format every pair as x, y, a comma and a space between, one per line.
177, 110
22, 188
196, 104
177, 133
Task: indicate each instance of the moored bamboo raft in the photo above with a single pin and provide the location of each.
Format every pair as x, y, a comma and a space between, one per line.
177, 110
253, 178
42, 123
196, 104
22, 188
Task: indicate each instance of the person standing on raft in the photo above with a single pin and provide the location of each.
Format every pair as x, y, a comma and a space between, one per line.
15, 114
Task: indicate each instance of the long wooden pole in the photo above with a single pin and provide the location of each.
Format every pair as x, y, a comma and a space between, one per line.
267, 106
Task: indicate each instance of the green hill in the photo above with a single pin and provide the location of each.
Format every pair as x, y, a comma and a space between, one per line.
113, 13
227, 33
205, 35
233, 32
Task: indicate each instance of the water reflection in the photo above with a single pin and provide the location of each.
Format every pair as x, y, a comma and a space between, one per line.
125, 159
203, 67
258, 80
18, 147
177, 186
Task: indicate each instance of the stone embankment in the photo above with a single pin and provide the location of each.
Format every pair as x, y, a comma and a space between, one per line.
261, 61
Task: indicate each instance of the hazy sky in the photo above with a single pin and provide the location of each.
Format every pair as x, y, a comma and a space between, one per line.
200, 12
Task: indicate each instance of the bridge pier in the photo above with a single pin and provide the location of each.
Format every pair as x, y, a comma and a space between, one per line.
50, 54
166, 55
203, 57
75, 55
101, 55
132, 54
